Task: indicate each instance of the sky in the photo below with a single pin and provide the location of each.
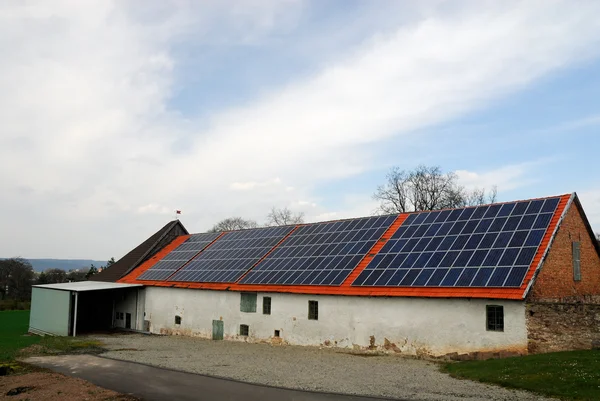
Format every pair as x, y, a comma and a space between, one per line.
116, 114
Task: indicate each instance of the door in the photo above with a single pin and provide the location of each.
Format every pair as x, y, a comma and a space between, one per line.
128, 320
217, 330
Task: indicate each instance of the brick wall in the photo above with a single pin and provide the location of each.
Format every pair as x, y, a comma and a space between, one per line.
554, 282
562, 326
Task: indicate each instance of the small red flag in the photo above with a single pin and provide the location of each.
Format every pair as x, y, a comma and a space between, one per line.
178, 211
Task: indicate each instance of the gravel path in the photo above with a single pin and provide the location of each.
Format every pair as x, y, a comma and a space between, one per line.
306, 368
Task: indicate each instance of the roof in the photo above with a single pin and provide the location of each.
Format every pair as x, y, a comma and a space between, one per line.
139, 254
369, 258
87, 286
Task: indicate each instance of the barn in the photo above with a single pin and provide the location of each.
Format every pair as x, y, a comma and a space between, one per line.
475, 282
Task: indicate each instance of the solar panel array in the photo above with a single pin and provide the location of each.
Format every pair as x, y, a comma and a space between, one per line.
485, 246
178, 257
320, 254
232, 255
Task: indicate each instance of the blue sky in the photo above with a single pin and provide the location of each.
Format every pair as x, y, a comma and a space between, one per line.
117, 113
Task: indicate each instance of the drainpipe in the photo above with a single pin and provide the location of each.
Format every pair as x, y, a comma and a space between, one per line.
75, 318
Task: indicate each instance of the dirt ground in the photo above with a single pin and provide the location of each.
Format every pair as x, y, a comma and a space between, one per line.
53, 387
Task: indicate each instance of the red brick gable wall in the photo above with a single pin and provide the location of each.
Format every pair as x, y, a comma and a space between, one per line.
555, 280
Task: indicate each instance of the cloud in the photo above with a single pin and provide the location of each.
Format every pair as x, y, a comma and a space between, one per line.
88, 123
504, 178
250, 185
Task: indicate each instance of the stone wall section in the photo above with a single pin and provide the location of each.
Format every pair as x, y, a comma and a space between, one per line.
557, 326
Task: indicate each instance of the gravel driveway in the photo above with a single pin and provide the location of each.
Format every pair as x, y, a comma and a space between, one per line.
306, 368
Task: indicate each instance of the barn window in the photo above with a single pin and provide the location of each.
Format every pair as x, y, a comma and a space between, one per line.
248, 302
495, 317
266, 305
177, 319
244, 329
576, 261
276, 334
313, 310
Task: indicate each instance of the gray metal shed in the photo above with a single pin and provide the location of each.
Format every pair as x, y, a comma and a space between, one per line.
59, 309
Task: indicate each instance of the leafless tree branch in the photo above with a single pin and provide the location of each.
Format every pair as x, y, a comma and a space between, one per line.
426, 188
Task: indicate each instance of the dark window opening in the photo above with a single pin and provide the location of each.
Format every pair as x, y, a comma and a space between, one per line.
495, 317
276, 333
121, 315
576, 261
244, 329
266, 305
177, 319
313, 310
248, 302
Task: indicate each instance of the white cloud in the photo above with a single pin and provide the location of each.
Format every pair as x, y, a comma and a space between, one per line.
154, 208
88, 134
504, 178
250, 185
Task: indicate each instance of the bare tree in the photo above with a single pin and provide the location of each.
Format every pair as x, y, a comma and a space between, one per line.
233, 223
284, 217
16, 278
426, 188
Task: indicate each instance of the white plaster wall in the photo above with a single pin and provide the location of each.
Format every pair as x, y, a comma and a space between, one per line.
130, 301
414, 325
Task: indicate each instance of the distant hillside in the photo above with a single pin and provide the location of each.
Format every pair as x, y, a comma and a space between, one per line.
64, 264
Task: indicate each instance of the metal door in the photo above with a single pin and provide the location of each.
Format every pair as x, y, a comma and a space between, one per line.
128, 320
217, 327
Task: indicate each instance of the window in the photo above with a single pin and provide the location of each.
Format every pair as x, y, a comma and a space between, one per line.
576, 261
244, 329
276, 333
177, 319
313, 310
266, 305
121, 315
248, 302
495, 317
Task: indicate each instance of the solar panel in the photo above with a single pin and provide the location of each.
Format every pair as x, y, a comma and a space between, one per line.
484, 246
232, 255
320, 254
178, 257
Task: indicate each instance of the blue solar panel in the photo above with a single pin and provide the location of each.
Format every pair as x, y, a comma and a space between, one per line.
484, 246
178, 257
320, 254
232, 255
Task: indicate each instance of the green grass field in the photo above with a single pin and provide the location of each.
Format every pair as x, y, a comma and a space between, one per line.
13, 327
573, 375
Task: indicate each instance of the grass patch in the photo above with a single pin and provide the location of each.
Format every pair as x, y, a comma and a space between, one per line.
14, 341
69, 345
573, 375
13, 335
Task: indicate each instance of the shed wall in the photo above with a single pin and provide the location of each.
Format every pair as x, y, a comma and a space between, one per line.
50, 311
407, 325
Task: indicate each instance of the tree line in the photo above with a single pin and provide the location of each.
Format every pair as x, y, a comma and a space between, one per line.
17, 276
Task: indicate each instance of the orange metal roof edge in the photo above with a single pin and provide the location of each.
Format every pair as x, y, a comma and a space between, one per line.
347, 289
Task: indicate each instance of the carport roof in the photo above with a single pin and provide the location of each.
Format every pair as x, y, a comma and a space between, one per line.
87, 286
